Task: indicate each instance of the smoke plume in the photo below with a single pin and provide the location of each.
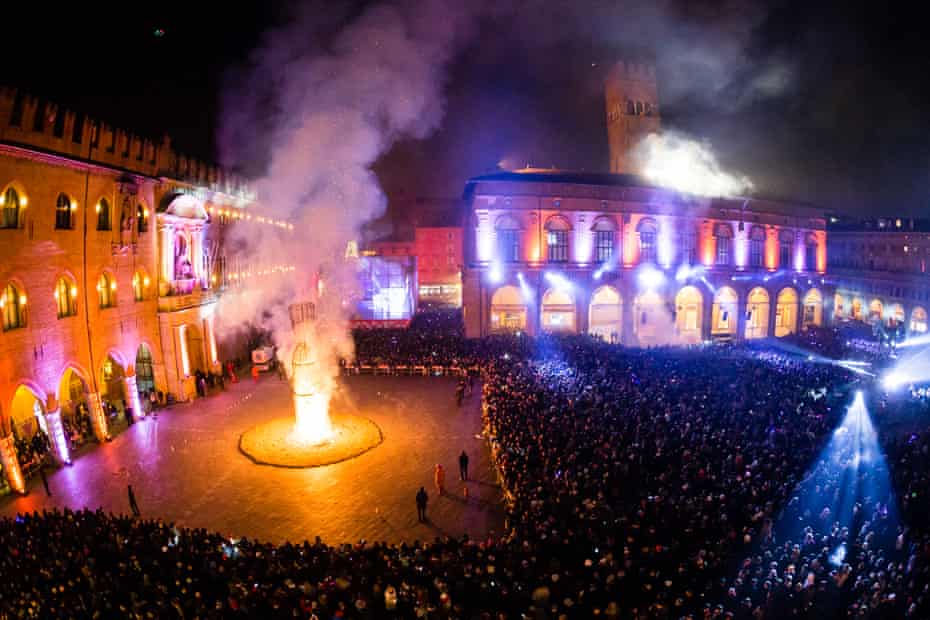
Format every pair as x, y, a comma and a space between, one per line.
673, 160
327, 108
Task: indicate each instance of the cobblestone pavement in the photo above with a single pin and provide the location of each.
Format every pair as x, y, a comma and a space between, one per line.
185, 466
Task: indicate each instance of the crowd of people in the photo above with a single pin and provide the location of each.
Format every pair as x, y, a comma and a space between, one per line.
670, 483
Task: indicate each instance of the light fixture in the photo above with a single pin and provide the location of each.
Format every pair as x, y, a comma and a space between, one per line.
97, 208
22, 300
23, 201
74, 205
113, 285
145, 281
74, 291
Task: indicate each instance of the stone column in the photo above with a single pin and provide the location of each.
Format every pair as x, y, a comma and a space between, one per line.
56, 437
166, 249
741, 316
132, 396
98, 419
11, 464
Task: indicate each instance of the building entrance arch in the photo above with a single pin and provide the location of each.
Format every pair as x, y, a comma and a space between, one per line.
724, 313
73, 398
652, 322
508, 310
558, 311
757, 314
918, 320
689, 311
813, 309
605, 313
786, 312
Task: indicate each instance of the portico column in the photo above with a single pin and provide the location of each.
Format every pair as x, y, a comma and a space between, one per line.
626, 316
741, 317
56, 436
132, 395
167, 256
98, 419
14, 474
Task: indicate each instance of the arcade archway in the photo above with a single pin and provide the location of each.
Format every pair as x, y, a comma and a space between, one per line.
757, 314
876, 311
605, 313
689, 315
113, 396
813, 309
856, 312
75, 408
896, 316
723, 312
651, 321
840, 306
508, 310
30, 428
786, 312
918, 320
558, 311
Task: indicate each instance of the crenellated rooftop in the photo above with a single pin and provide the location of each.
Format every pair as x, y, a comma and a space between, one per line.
30, 122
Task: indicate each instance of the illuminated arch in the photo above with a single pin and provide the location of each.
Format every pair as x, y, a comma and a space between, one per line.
558, 222
27, 411
918, 320
786, 312
896, 315
876, 310
508, 310
104, 212
65, 294
856, 309
648, 240
106, 290
141, 284
841, 306
724, 312
558, 311
13, 305
652, 322
813, 309
605, 313
757, 314
689, 314
12, 203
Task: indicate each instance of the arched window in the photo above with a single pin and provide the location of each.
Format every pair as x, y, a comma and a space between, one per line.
723, 234
140, 285
106, 291
756, 246
11, 203
647, 240
66, 297
630, 107
604, 238
557, 239
508, 240
13, 304
63, 210
142, 219
688, 245
103, 215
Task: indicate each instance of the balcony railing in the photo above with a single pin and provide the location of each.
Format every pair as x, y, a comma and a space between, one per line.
184, 294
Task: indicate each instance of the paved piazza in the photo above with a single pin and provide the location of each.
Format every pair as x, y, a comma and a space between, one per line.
185, 466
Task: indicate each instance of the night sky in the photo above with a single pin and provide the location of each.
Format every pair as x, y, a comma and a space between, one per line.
823, 103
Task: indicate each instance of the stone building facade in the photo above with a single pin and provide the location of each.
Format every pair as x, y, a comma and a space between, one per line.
632, 98
112, 263
612, 256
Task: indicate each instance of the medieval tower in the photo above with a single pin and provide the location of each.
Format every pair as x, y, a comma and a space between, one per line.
632, 111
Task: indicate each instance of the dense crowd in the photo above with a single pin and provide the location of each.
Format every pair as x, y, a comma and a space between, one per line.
670, 483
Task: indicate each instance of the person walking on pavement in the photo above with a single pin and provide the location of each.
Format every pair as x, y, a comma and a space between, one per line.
132, 503
463, 465
48, 491
422, 499
439, 477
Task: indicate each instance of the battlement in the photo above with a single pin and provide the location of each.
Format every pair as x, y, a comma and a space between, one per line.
632, 70
30, 122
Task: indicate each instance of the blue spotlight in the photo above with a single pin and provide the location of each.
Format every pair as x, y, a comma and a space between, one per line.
650, 278
496, 275
558, 281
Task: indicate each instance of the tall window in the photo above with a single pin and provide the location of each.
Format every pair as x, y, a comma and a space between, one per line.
66, 297
142, 219
140, 285
647, 241
557, 245
103, 215
13, 304
723, 234
557, 240
106, 291
508, 240
63, 219
784, 255
689, 247
604, 242
756, 247
11, 204
810, 255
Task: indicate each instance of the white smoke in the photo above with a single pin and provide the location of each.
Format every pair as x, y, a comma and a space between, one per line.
678, 162
380, 80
